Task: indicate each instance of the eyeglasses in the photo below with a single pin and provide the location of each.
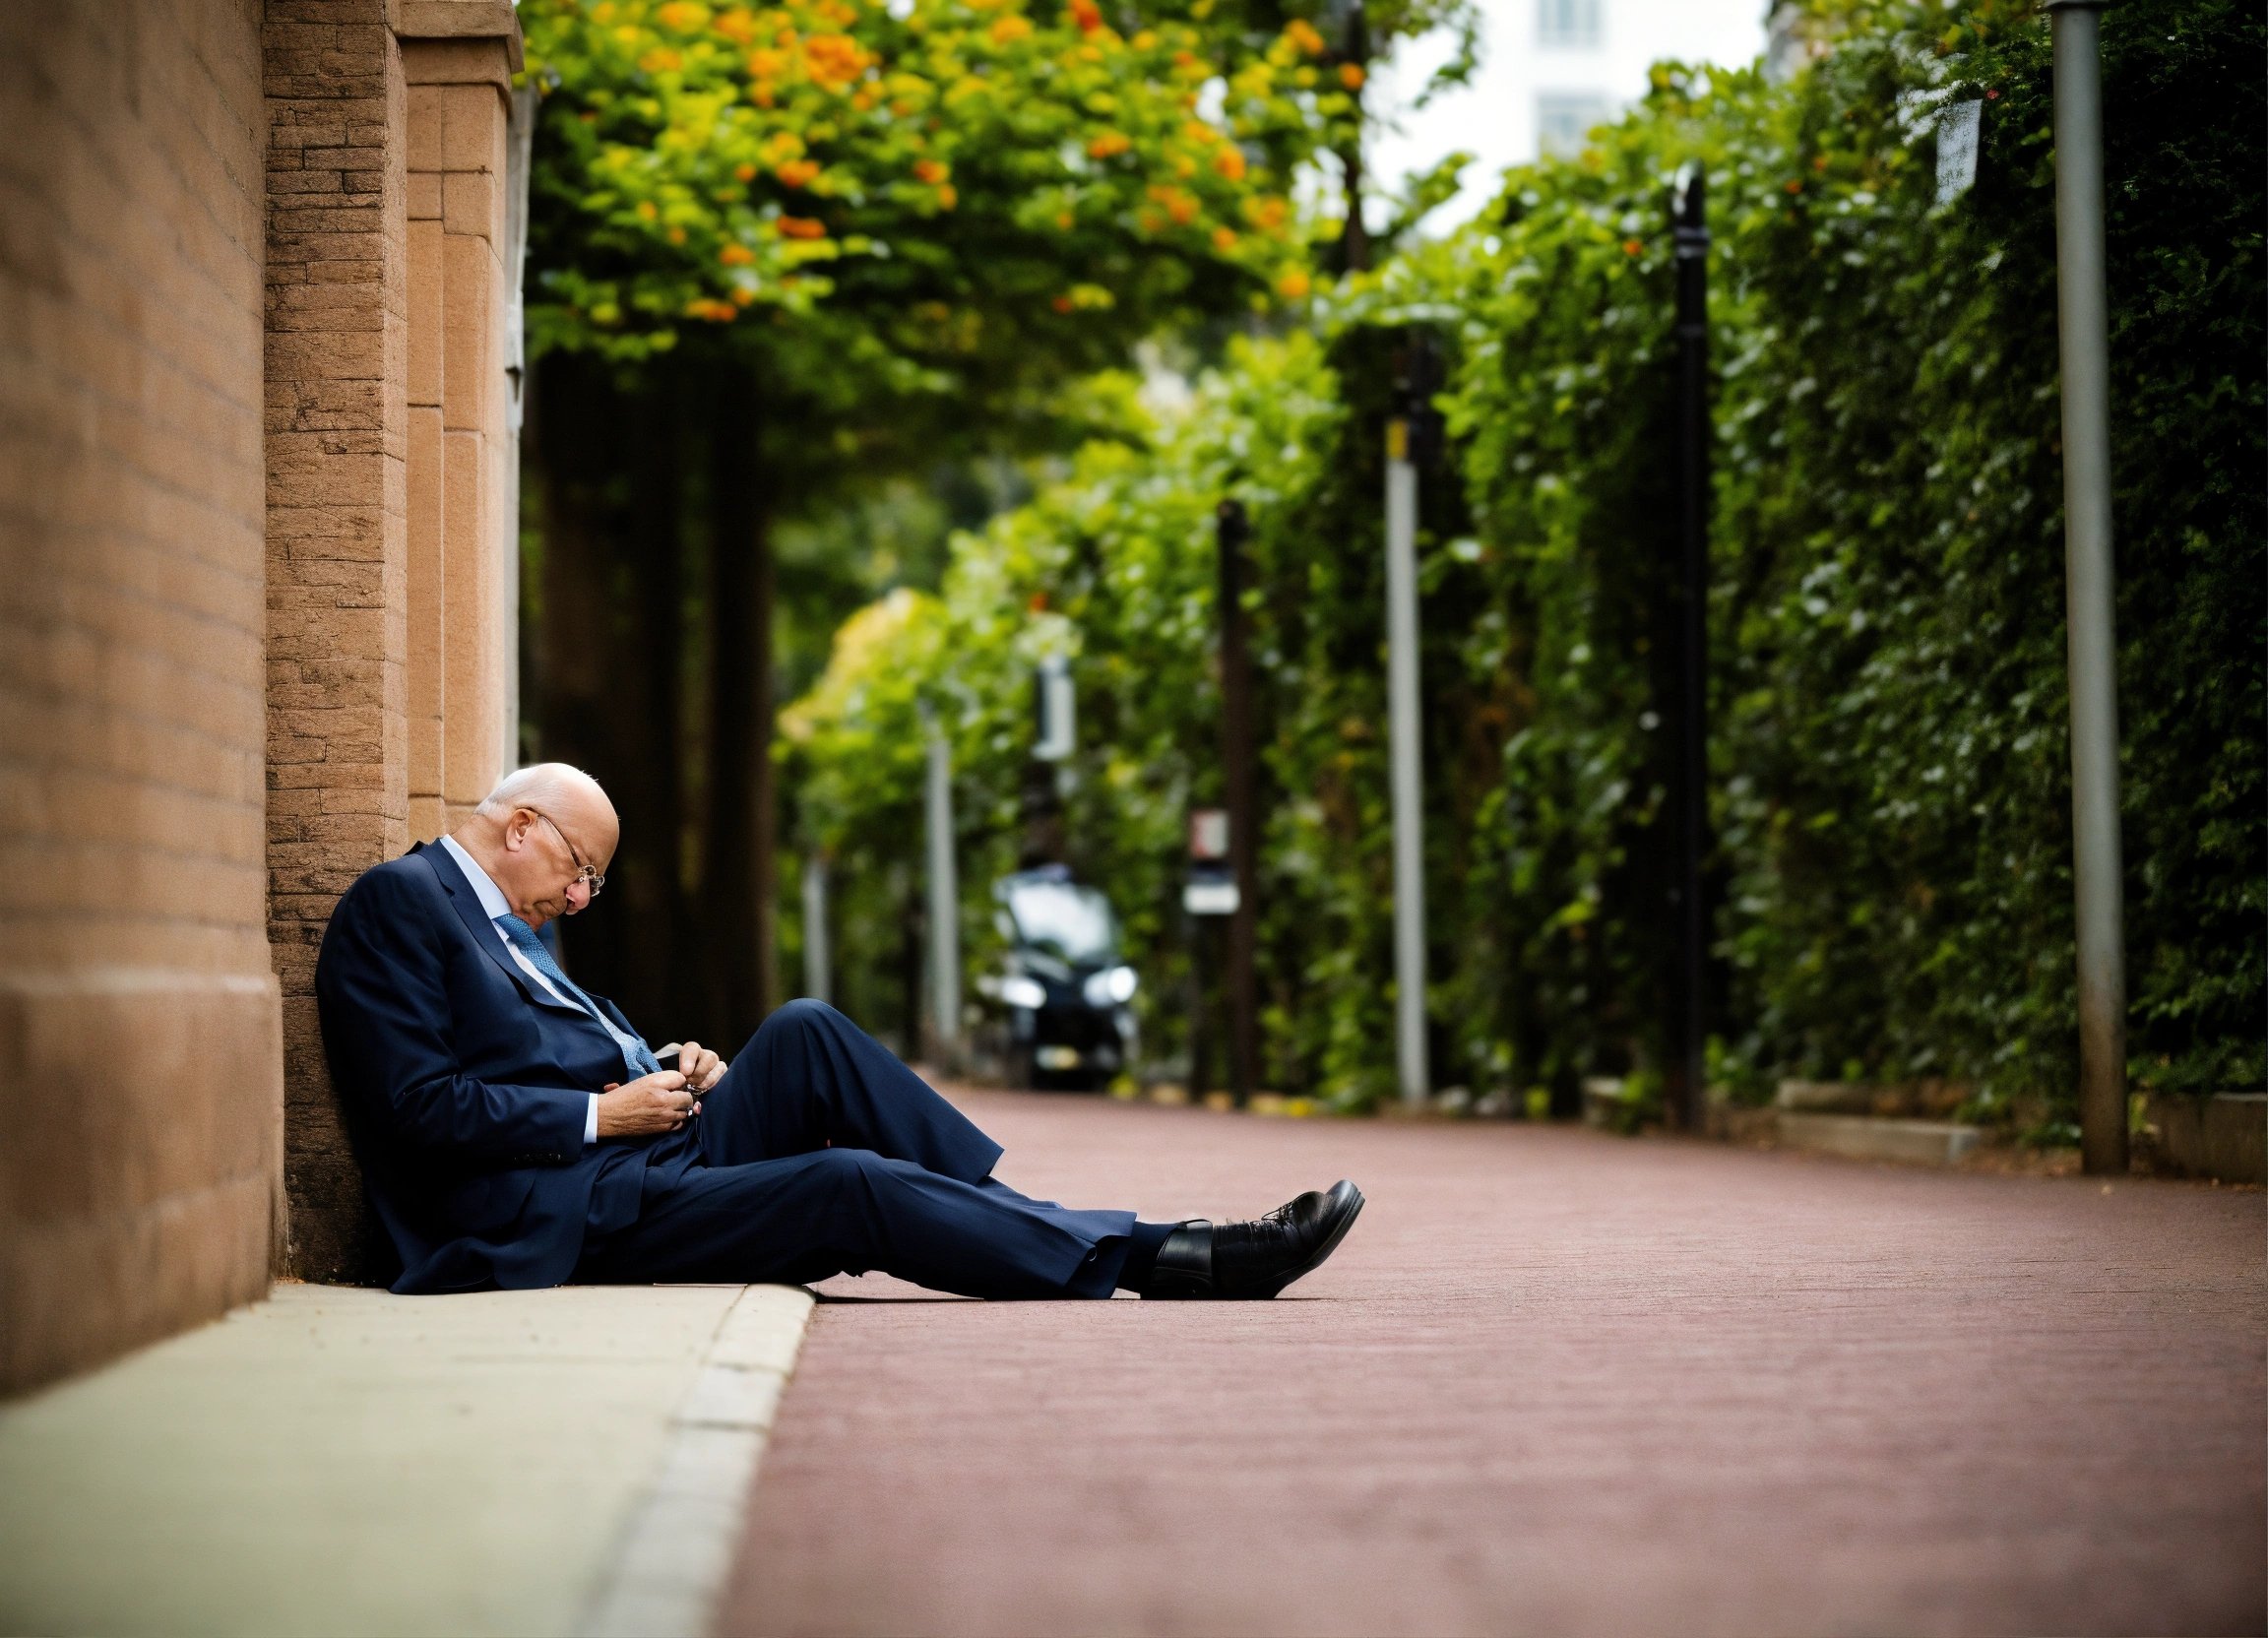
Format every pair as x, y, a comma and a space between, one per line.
584, 873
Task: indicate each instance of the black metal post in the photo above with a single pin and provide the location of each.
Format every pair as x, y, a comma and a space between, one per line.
1238, 757
1689, 1085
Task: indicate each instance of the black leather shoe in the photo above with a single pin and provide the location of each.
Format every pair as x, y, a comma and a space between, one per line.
1257, 1259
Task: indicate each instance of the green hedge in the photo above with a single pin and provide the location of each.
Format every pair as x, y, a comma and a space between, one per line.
1889, 758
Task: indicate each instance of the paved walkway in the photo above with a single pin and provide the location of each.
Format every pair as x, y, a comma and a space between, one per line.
341, 1461
1553, 1382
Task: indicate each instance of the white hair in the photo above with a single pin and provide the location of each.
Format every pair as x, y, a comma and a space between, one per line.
538, 786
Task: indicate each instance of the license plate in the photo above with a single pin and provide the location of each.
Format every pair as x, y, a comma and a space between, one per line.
1056, 1057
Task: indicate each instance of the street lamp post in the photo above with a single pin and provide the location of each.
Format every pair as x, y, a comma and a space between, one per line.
2091, 653
1690, 234
944, 894
1406, 437
816, 974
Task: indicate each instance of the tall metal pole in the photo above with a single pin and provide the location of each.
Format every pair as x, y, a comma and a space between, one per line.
815, 953
2092, 654
1402, 752
1690, 232
1240, 778
944, 894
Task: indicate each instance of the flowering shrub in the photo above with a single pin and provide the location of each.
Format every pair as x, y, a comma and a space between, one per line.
709, 164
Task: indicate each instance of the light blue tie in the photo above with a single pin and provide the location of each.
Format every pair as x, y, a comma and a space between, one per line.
634, 1053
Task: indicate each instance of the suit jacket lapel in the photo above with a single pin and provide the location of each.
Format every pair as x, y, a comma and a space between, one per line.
466, 905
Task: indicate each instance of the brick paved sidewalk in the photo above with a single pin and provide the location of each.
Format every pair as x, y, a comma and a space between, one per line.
1553, 1382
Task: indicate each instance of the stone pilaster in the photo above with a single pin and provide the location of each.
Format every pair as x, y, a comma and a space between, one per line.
338, 541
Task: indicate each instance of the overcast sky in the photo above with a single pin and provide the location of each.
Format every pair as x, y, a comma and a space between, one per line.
1496, 116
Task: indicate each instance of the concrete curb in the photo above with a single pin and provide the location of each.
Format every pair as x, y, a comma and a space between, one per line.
668, 1573
1860, 1137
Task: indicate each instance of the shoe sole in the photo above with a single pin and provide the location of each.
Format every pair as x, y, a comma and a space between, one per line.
1351, 1205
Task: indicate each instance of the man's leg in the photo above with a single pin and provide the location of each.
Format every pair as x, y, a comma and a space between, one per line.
810, 1077
807, 1217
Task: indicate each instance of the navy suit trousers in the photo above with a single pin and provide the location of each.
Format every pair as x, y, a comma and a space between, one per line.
820, 1154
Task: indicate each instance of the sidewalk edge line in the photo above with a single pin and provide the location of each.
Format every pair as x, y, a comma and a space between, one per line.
667, 1576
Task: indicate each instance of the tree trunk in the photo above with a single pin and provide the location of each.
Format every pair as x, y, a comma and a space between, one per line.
1354, 242
741, 791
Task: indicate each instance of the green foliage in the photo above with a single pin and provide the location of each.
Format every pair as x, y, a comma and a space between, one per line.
1890, 760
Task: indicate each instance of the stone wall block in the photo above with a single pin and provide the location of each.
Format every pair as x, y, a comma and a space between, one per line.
472, 337
473, 202
426, 311
428, 612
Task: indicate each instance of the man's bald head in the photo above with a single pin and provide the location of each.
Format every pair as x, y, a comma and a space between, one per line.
545, 786
535, 832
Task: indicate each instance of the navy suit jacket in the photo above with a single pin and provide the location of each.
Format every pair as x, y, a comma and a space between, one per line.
467, 1087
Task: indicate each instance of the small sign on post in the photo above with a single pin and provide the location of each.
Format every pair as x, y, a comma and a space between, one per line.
1057, 707
1211, 889
1957, 150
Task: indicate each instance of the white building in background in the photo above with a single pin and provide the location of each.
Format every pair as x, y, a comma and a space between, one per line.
1550, 69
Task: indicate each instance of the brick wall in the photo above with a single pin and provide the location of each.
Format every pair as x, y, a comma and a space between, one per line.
140, 1061
336, 522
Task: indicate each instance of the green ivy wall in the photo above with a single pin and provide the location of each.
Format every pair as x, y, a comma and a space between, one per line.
1889, 760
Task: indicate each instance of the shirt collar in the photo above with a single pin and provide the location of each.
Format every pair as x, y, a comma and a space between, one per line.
493, 901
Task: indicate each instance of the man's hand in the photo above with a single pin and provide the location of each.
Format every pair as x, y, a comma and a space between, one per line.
652, 1103
702, 1067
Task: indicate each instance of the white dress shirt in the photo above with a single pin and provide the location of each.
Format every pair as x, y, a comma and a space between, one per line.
492, 905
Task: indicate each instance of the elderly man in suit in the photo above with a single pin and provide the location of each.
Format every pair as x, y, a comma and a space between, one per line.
516, 1130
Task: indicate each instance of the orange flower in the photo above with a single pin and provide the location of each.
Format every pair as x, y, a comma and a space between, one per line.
932, 171
736, 256
716, 312
1224, 239
1009, 27
1109, 143
1794, 185
948, 196
1267, 215
1631, 247
835, 59
647, 209
796, 172
682, 15
1179, 203
1302, 34
738, 26
661, 60
1062, 304
1229, 162
746, 173
1294, 285
766, 63
1086, 15
802, 227
1351, 76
